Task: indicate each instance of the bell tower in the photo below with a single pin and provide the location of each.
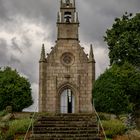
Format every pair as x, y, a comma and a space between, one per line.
67, 21
67, 73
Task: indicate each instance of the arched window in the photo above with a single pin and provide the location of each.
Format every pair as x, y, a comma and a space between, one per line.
67, 101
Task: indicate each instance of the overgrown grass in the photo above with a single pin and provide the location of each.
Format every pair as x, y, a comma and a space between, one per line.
113, 127
17, 126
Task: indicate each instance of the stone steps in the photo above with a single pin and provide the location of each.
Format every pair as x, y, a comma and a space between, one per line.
72, 138
66, 127
61, 119
40, 137
41, 131
66, 118
64, 122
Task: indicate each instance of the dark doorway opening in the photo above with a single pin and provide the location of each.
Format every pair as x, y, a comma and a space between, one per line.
67, 101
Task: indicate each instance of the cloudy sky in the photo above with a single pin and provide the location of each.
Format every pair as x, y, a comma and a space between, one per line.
26, 24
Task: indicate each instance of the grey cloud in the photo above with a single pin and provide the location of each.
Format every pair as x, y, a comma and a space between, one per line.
29, 69
3, 13
8, 58
14, 61
26, 42
34, 9
15, 45
96, 16
3, 51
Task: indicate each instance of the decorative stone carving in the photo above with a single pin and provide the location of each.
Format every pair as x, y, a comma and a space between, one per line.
67, 59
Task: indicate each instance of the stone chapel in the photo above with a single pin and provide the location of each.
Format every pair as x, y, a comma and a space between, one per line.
67, 73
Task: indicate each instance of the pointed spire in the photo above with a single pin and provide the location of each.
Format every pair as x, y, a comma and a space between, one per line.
91, 55
42, 58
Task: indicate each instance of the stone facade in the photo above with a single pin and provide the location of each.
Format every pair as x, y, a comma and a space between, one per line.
66, 67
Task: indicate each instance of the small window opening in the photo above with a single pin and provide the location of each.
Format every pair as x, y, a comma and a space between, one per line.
67, 16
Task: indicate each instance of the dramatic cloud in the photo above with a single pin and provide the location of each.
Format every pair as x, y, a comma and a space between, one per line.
98, 15
26, 24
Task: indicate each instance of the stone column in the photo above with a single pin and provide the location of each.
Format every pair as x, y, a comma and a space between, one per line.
42, 81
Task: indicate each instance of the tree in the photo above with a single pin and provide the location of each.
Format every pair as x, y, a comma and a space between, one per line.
123, 40
117, 90
15, 90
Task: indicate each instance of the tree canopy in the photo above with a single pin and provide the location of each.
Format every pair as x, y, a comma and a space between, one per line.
15, 90
117, 90
123, 40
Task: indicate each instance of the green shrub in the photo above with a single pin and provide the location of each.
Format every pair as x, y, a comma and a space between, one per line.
106, 116
1, 135
3, 113
17, 126
113, 128
103, 116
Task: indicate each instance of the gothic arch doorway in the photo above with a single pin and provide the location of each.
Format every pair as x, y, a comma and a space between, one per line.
67, 101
